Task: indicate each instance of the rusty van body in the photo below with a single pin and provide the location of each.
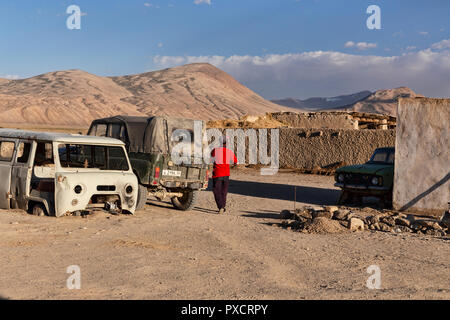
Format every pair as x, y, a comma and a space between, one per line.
59, 174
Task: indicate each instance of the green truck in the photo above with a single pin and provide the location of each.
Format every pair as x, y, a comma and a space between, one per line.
149, 145
374, 178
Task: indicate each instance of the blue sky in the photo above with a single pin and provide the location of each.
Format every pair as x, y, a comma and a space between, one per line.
268, 45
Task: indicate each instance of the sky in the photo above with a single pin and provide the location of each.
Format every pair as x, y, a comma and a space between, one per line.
278, 48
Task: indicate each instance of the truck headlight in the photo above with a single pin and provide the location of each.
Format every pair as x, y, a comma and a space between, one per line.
341, 177
375, 181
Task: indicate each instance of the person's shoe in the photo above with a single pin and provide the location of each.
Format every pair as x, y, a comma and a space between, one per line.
221, 211
224, 210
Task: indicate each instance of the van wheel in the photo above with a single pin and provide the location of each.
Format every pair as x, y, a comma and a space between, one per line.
142, 197
39, 210
187, 201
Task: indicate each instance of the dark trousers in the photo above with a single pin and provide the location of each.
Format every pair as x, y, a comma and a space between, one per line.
220, 190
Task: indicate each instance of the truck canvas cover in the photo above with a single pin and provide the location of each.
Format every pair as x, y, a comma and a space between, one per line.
152, 134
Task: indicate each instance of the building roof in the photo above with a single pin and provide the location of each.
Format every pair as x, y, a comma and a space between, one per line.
58, 137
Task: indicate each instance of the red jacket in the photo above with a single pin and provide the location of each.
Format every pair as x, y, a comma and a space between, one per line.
223, 157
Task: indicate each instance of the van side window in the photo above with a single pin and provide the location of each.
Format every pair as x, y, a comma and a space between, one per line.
6, 150
44, 154
23, 152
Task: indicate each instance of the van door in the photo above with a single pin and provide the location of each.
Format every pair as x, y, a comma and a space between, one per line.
21, 174
7, 148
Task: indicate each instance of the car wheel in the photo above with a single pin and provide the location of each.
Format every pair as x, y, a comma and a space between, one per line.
344, 197
142, 197
187, 201
39, 210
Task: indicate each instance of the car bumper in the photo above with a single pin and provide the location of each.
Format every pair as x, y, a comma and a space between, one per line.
361, 187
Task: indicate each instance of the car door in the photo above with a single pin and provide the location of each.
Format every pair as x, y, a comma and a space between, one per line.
21, 174
7, 150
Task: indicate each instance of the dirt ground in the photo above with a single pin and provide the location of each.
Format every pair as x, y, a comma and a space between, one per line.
161, 253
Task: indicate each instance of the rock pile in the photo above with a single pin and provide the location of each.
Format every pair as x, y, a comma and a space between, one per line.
333, 219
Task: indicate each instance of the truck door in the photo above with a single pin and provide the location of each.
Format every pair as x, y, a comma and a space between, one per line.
7, 148
21, 175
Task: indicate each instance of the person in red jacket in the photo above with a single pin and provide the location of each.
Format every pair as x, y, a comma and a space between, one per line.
222, 158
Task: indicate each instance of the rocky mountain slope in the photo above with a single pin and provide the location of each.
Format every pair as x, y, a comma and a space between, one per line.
75, 97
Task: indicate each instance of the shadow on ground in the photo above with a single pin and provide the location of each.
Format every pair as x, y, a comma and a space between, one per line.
310, 195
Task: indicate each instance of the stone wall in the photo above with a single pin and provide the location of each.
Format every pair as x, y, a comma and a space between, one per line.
422, 161
311, 120
308, 149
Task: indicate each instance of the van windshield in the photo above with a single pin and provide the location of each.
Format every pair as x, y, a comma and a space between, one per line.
92, 157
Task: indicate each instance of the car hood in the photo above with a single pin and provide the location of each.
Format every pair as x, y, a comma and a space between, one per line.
367, 168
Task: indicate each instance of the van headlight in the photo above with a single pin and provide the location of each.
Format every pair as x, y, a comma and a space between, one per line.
375, 181
129, 189
78, 189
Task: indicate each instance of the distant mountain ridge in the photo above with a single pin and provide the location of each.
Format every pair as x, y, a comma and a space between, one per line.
380, 102
318, 103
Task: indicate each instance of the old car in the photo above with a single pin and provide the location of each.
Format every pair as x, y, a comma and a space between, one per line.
374, 178
149, 144
59, 174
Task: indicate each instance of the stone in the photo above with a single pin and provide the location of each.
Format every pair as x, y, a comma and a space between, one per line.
285, 214
322, 214
356, 224
445, 221
304, 213
384, 227
372, 220
429, 224
341, 214
402, 222
331, 209
390, 221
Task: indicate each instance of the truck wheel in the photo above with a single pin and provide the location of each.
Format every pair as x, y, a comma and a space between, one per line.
39, 210
142, 197
187, 201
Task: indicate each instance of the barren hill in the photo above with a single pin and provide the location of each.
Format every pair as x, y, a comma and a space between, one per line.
381, 101
75, 97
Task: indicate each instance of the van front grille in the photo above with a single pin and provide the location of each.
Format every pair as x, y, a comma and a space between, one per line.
106, 188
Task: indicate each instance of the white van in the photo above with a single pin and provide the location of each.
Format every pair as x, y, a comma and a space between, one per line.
60, 174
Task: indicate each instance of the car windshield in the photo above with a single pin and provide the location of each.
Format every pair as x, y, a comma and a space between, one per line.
92, 157
383, 156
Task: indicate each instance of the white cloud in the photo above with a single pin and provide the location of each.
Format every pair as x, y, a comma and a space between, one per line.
202, 2
444, 44
160, 45
360, 45
411, 48
330, 73
423, 33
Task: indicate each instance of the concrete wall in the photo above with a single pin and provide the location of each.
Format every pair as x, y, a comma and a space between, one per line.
308, 149
422, 162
